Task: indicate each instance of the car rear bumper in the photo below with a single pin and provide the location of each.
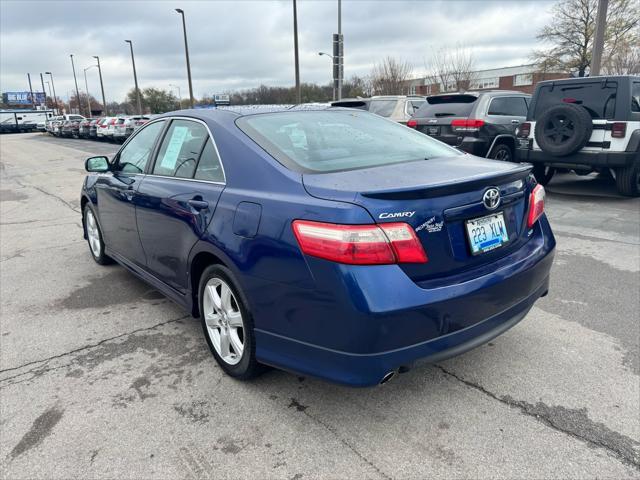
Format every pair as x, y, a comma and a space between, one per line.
384, 320
591, 159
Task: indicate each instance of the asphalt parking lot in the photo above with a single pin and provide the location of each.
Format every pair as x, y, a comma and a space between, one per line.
102, 377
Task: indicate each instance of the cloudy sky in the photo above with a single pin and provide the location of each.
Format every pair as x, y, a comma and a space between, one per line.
241, 44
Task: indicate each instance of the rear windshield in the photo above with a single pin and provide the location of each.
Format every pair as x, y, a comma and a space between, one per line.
447, 106
384, 108
413, 106
598, 98
334, 140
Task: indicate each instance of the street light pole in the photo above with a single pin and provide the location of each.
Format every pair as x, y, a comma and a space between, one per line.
76, 82
86, 87
186, 52
179, 95
104, 101
340, 51
33, 100
44, 91
598, 41
295, 52
333, 86
135, 78
55, 99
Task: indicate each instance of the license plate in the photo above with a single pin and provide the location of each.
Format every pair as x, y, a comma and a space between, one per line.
487, 233
433, 130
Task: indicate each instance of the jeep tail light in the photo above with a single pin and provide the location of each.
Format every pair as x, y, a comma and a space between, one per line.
466, 124
536, 205
383, 244
618, 129
524, 130
412, 123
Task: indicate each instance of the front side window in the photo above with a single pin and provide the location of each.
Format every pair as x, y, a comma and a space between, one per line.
508, 106
334, 140
135, 155
180, 149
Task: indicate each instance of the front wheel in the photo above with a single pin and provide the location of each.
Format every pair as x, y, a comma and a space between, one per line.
543, 174
628, 180
94, 237
227, 323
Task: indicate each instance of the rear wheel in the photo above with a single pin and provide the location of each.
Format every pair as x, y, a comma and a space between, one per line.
502, 152
227, 323
628, 180
543, 174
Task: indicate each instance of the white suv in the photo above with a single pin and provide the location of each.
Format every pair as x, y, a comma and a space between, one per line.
585, 124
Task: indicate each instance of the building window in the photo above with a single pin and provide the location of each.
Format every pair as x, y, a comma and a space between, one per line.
412, 90
522, 79
485, 83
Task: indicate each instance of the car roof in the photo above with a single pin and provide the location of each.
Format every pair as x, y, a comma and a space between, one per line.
232, 112
587, 79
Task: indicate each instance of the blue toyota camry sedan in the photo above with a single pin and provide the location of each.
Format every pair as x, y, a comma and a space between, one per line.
327, 242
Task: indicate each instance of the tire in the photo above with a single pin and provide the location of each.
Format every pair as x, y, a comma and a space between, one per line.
243, 366
502, 152
563, 129
94, 237
628, 180
543, 174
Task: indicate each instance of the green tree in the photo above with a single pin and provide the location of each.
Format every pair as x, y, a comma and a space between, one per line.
571, 31
154, 100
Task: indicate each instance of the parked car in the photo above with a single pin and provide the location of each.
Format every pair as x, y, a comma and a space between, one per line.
398, 108
70, 128
83, 127
125, 126
54, 126
585, 124
359, 103
481, 123
101, 131
303, 240
93, 127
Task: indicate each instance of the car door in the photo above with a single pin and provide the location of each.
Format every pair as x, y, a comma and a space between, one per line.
177, 199
116, 194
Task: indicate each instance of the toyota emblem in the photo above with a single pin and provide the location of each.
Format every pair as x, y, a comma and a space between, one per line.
491, 198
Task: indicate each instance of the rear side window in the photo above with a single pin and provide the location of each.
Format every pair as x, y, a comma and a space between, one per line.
508, 106
447, 106
598, 97
180, 149
209, 167
384, 108
635, 97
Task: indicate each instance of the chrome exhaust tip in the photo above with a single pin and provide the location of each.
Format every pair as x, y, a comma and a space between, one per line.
388, 376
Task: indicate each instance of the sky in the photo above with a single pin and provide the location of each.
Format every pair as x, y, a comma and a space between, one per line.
242, 44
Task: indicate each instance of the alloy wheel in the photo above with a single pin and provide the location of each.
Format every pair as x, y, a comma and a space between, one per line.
224, 320
93, 234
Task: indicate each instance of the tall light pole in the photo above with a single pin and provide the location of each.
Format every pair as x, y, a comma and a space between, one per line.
76, 81
598, 41
186, 52
48, 87
333, 85
135, 78
179, 94
55, 99
104, 101
340, 51
44, 91
295, 52
86, 86
33, 100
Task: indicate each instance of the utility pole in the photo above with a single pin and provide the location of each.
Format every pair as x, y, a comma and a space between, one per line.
55, 99
135, 78
598, 41
186, 52
33, 100
295, 52
340, 51
86, 87
44, 91
77, 91
104, 101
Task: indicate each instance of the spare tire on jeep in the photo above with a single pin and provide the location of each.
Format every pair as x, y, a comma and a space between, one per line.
563, 129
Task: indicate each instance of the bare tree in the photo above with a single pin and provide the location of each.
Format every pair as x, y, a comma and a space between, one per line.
452, 68
390, 76
625, 60
572, 29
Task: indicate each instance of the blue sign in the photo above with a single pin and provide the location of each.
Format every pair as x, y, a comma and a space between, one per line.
22, 98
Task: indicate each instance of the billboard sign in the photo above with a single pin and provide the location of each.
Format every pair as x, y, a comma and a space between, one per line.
22, 98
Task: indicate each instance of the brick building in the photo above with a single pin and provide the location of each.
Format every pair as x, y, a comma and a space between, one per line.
522, 78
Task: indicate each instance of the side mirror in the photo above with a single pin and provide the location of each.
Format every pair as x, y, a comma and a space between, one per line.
97, 164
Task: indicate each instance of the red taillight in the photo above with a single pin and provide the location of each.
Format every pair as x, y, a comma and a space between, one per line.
618, 129
360, 244
412, 123
524, 130
466, 124
536, 205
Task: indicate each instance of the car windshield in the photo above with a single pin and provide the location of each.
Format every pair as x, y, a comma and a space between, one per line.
330, 141
446, 106
597, 97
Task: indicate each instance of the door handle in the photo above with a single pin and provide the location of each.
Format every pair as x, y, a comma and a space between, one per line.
198, 204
